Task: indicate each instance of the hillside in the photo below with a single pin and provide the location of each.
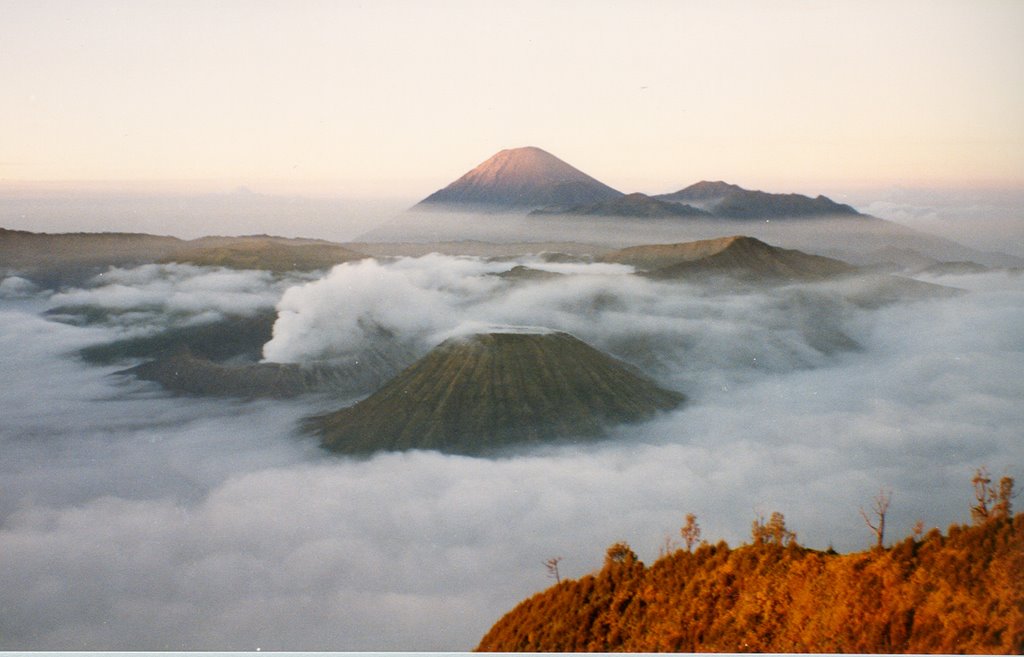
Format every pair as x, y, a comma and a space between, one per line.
490, 391
629, 205
733, 202
57, 259
736, 256
520, 178
263, 252
183, 372
954, 593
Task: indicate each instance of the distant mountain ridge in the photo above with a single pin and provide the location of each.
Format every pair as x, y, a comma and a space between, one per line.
56, 259
628, 205
732, 201
517, 178
532, 179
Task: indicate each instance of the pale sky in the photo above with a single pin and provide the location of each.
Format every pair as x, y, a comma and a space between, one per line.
366, 99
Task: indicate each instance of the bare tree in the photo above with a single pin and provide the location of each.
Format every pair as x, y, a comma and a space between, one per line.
690, 532
991, 501
552, 566
879, 507
980, 511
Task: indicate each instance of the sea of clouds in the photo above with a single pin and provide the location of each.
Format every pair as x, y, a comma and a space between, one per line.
133, 519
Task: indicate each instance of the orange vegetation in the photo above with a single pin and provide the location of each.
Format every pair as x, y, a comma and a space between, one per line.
962, 592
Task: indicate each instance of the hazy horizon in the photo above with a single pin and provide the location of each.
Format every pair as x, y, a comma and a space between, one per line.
399, 98
981, 218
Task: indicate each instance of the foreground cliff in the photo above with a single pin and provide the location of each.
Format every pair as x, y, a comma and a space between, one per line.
956, 593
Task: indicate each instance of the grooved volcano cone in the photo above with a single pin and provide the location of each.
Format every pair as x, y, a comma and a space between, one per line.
489, 391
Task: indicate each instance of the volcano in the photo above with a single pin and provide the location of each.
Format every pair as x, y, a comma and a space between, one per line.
737, 256
491, 391
520, 179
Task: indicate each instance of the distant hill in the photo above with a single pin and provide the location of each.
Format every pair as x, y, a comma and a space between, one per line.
263, 252
959, 593
230, 338
491, 391
629, 205
738, 256
56, 259
733, 202
517, 179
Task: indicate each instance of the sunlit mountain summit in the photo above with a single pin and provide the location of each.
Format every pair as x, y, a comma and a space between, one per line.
520, 178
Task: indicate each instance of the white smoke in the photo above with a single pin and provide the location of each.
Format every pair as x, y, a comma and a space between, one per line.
366, 301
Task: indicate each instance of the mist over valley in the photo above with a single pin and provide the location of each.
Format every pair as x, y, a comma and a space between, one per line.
264, 442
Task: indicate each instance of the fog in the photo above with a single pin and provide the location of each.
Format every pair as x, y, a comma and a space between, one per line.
189, 215
998, 228
986, 219
132, 519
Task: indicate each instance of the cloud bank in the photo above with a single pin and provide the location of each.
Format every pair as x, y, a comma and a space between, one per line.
131, 519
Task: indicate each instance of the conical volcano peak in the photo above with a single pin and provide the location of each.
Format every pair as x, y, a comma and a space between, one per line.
483, 392
736, 256
528, 163
521, 178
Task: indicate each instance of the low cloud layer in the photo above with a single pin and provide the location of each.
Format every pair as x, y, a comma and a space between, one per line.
133, 519
152, 297
982, 218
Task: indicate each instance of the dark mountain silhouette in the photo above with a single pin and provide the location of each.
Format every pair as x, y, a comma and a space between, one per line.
521, 273
629, 205
234, 337
958, 593
491, 391
733, 202
520, 178
736, 256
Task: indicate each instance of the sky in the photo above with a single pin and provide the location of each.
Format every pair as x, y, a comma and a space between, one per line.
386, 99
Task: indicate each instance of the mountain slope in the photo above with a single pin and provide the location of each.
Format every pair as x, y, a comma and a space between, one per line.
736, 256
263, 252
183, 372
520, 178
733, 202
485, 392
959, 593
629, 205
